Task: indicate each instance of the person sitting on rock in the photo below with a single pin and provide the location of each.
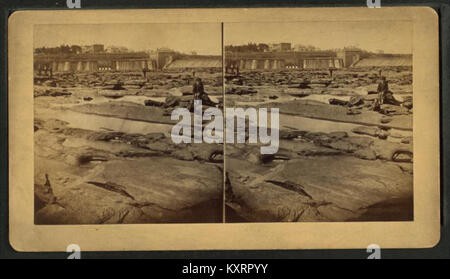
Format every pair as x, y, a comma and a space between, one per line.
198, 89
385, 95
199, 94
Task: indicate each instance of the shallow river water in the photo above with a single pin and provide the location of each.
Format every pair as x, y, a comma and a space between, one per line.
99, 123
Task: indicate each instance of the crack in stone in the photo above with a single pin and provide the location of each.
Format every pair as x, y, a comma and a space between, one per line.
288, 185
113, 187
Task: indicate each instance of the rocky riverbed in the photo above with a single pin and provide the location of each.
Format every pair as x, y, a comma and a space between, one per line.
103, 152
102, 156
337, 161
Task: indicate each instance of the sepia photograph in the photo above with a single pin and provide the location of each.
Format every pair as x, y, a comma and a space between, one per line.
103, 98
224, 129
345, 99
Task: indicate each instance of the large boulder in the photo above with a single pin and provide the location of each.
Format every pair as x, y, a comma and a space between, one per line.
322, 188
142, 190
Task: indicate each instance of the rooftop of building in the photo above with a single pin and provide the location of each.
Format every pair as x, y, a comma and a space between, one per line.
196, 61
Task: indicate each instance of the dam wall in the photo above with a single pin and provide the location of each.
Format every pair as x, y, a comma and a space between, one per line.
124, 62
93, 62
399, 60
253, 61
283, 60
192, 62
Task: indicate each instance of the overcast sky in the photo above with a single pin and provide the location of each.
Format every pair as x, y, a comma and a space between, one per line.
389, 36
204, 38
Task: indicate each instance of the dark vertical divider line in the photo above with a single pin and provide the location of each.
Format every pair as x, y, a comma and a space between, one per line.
223, 130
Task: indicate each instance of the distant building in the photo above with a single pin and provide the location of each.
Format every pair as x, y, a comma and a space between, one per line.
93, 49
349, 56
303, 48
280, 47
116, 49
164, 56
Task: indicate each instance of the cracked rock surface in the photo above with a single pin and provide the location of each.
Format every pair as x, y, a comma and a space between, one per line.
103, 157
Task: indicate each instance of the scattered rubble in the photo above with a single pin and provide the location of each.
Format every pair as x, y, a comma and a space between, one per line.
99, 174
325, 175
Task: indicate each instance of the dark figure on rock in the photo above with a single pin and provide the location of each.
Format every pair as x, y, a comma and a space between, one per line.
385, 95
199, 94
145, 70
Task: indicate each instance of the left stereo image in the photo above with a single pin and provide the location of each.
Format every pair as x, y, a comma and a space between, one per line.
103, 101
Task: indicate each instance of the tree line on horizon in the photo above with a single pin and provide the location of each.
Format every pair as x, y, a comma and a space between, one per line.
262, 47
76, 49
